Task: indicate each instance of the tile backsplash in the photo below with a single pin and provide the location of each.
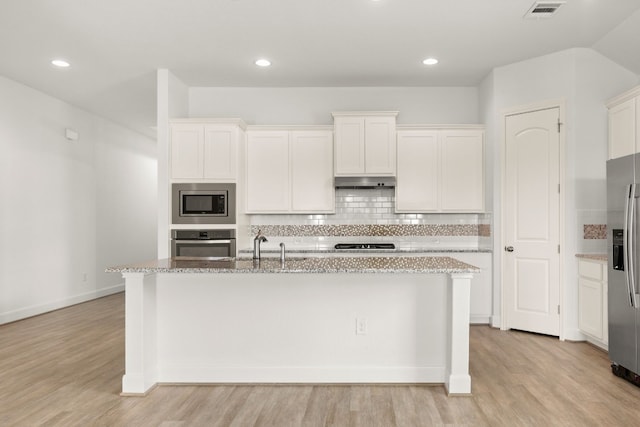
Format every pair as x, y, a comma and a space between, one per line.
592, 231
369, 213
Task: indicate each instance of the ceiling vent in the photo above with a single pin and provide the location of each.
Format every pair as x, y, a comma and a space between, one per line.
543, 9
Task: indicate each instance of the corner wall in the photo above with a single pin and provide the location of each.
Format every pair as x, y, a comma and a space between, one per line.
173, 100
584, 79
69, 208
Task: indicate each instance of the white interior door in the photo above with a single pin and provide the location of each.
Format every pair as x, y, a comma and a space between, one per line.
531, 279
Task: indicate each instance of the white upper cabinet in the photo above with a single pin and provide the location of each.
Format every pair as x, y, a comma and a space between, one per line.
220, 152
187, 151
624, 124
268, 171
312, 188
440, 170
204, 151
462, 171
365, 143
417, 183
290, 171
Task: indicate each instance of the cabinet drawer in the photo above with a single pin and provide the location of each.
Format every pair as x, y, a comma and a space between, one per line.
590, 269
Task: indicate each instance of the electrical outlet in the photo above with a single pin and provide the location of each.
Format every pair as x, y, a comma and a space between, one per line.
84, 277
361, 326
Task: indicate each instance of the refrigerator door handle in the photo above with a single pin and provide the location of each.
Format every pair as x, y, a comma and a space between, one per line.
629, 243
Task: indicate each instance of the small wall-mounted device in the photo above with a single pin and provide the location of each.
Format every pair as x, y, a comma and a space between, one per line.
71, 134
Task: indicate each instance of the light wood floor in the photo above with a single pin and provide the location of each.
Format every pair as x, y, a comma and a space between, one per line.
64, 369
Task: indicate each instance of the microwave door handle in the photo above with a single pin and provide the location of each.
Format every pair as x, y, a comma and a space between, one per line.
628, 242
205, 242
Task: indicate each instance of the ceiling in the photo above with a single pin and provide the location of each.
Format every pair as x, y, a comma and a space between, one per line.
116, 46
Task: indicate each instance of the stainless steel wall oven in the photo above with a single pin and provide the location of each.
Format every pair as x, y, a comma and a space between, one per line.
203, 243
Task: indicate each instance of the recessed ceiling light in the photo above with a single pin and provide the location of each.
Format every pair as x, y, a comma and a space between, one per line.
60, 63
430, 61
263, 62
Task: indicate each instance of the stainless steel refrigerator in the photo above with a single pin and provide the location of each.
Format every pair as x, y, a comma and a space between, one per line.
623, 231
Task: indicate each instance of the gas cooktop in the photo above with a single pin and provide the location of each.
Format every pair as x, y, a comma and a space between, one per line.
365, 246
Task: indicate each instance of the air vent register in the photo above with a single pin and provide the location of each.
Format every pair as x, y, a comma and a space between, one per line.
543, 9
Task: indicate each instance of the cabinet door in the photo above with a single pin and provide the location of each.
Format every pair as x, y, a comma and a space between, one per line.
186, 151
268, 171
481, 285
622, 129
590, 307
349, 145
312, 188
418, 170
380, 145
462, 166
220, 152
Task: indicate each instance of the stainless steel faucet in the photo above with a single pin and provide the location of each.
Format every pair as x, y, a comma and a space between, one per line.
256, 244
282, 252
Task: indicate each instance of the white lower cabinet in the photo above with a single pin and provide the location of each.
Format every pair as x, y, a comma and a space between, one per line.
592, 297
290, 171
440, 170
481, 284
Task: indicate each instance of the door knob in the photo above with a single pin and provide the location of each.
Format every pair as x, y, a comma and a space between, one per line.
508, 248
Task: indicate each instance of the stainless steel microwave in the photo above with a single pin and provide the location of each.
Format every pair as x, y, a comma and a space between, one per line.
203, 203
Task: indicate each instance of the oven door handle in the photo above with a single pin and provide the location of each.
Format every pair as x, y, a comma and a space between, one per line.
204, 242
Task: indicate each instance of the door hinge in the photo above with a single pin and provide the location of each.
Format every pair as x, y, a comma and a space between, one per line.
558, 309
558, 188
558, 248
559, 124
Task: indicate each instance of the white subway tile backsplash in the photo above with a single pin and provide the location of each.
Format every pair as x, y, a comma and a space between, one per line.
357, 210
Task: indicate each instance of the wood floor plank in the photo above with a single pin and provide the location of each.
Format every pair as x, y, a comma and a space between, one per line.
65, 369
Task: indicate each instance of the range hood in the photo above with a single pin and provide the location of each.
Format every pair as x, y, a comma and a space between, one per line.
365, 182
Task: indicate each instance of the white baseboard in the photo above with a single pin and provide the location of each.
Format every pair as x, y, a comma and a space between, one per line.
573, 335
297, 374
480, 320
496, 321
34, 310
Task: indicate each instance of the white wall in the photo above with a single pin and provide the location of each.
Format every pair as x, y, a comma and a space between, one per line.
487, 108
584, 79
313, 105
68, 208
172, 102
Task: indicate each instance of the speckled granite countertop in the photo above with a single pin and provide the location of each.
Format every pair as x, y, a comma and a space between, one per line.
593, 257
409, 264
331, 250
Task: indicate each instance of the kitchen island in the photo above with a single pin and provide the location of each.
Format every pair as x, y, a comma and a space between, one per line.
309, 320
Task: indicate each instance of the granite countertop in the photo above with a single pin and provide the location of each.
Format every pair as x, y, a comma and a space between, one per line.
417, 264
593, 257
332, 250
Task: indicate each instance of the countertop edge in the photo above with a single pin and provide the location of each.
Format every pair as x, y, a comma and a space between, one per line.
333, 265
368, 251
291, 271
593, 257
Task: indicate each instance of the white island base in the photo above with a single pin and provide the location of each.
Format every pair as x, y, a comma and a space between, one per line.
296, 328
